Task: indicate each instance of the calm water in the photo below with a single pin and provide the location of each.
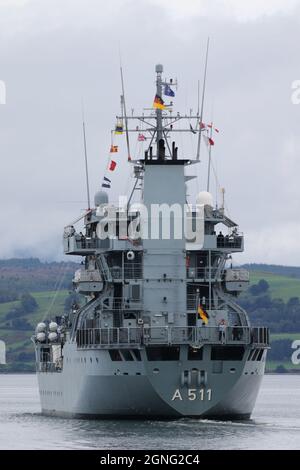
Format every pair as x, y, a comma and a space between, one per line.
275, 424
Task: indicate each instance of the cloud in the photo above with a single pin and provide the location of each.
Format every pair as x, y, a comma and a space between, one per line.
54, 53
237, 9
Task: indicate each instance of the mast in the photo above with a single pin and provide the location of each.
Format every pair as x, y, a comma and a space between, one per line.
159, 126
86, 164
123, 104
209, 160
202, 101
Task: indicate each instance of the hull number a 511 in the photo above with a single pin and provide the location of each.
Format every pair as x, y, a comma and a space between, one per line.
192, 394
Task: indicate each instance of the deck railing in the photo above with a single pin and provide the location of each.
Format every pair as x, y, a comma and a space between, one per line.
124, 337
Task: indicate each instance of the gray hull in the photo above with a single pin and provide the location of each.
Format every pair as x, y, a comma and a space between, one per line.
91, 385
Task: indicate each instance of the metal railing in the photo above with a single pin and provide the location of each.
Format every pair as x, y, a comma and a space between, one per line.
48, 367
192, 301
128, 271
202, 273
82, 275
77, 242
119, 304
230, 241
119, 337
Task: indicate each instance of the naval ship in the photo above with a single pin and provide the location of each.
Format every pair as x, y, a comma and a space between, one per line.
160, 332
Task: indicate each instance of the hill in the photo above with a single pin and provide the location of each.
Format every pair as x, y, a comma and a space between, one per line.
281, 286
288, 271
20, 352
277, 306
21, 275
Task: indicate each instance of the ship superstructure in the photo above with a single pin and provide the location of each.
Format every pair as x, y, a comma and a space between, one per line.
160, 332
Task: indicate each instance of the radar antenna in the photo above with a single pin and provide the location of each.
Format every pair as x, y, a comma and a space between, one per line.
86, 162
202, 101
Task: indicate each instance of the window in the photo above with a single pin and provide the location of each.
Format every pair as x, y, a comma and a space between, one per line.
135, 292
115, 355
255, 355
195, 354
260, 355
136, 354
227, 353
127, 355
163, 353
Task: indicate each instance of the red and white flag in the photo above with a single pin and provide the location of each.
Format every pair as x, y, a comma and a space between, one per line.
208, 140
141, 138
112, 165
211, 127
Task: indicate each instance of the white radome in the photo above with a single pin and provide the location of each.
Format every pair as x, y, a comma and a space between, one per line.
41, 336
204, 198
53, 326
52, 336
40, 327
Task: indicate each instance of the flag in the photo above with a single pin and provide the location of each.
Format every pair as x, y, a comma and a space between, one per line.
141, 138
214, 128
192, 130
114, 148
208, 140
202, 314
119, 128
158, 102
112, 165
168, 91
106, 182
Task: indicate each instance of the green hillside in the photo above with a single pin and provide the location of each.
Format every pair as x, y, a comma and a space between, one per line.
20, 353
17, 276
281, 287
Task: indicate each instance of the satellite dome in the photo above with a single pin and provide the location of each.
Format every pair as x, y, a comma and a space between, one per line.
41, 327
204, 198
53, 326
52, 336
41, 336
101, 197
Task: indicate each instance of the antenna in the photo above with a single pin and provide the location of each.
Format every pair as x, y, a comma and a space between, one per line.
202, 102
209, 159
223, 199
198, 99
86, 162
125, 114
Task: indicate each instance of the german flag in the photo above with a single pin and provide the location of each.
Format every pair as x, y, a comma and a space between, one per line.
158, 103
202, 314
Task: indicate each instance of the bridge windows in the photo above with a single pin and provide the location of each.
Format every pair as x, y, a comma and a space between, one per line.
195, 354
164, 353
125, 355
115, 355
227, 353
256, 354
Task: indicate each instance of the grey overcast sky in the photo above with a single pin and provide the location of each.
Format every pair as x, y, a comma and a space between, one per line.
53, 53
